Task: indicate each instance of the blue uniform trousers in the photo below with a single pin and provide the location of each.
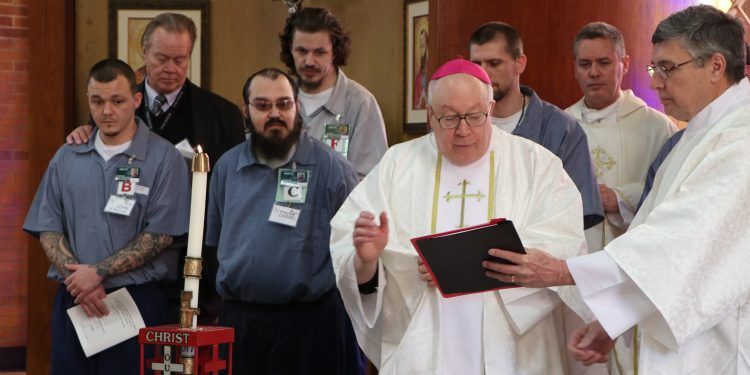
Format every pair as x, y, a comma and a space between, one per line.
293, 338
67, 354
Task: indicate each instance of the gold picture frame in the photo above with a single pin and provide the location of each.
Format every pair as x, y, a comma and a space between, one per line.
416, 35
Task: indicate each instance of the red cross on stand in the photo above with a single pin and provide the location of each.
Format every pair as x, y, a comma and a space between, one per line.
204, 340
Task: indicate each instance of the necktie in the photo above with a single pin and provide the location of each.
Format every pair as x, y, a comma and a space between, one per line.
158, 102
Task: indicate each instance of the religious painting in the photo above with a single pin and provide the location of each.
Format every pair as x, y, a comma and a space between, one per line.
416, 36
128, 20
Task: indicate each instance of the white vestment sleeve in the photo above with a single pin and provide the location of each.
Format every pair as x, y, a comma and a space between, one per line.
622, 219
611, 295
369, 305
525, 307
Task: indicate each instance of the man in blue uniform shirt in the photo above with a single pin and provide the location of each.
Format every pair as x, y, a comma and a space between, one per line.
104, 212
498, 49
270, 204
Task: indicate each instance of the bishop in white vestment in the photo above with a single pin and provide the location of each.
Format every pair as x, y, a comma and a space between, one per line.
462, 174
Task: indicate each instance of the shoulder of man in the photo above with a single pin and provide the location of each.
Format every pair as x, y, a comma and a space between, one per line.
559, 119
202, 95
355, 90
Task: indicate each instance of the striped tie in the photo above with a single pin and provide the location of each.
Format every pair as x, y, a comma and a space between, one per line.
158, 102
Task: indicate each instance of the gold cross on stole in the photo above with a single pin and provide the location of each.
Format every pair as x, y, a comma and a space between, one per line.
599, 163
448, 196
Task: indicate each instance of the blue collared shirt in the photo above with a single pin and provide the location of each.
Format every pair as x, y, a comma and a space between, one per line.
77, 185
262, 261
560, 133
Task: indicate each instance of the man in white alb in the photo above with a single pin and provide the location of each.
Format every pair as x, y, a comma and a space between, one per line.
403, 323
624, 136
680, 271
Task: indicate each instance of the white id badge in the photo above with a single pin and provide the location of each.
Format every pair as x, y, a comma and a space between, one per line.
119, 205
284, 215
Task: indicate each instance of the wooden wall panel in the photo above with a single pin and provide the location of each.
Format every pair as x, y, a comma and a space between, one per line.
547, 29
51, 90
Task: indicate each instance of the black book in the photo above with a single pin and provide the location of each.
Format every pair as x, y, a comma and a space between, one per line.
454, 258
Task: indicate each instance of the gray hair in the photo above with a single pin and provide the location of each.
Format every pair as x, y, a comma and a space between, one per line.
171, 22
596, 30
435, 83
704, 31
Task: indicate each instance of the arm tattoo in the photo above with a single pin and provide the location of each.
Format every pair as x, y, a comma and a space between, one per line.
57, 249
138, 252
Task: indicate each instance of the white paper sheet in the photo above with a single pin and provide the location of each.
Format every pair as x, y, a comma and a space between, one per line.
97, 334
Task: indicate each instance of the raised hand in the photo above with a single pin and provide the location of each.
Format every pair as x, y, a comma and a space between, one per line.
369, 241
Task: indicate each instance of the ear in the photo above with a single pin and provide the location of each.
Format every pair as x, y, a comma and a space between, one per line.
625, 64
718, 65
137, 97
520, 64
245, 111
430, 115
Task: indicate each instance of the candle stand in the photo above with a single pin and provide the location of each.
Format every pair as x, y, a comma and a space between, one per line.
197, 347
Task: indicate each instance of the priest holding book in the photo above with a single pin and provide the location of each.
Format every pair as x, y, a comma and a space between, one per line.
462, 174
679, 274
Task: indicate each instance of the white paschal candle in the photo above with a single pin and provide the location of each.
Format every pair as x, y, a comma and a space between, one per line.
197, 215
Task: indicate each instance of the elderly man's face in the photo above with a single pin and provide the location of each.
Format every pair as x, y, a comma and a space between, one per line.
460, 94
687, 89
599, 71
499, 64
167, 60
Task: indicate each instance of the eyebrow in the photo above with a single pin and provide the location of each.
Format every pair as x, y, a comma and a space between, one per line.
269, 100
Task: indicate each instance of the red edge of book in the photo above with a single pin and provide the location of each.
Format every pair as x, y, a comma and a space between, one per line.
441, 234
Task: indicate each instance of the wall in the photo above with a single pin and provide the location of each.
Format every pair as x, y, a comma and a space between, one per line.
14, 162
548, 29
244, 39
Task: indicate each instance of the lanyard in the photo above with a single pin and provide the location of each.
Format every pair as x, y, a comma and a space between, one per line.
149, 122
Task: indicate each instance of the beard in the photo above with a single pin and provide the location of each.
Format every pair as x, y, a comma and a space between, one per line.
275, 145
499, 93
310, 85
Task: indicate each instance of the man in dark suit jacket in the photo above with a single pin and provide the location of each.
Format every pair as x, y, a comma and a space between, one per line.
178, 110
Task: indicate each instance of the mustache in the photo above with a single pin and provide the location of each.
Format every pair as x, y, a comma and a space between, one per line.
274, 121
310, 68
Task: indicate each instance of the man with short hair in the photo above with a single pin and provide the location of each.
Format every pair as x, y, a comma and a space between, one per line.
178, 110
334, 108
624, 134
498, 49
104, 212
270, 204
403, 324
679, 273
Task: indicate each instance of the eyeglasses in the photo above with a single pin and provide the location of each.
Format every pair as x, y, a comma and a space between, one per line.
267, 105
661, 71
452, 121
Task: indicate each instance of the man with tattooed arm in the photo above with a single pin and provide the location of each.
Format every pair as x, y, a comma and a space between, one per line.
103, 212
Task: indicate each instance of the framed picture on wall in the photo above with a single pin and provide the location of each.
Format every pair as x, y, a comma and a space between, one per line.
415, 66
128, 19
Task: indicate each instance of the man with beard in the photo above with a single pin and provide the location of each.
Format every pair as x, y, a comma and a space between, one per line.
334, 108
498, 48
270, 204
